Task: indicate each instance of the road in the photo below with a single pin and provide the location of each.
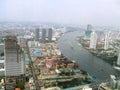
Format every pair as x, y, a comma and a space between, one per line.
33, 71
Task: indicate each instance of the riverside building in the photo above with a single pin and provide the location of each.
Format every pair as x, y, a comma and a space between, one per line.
93, 40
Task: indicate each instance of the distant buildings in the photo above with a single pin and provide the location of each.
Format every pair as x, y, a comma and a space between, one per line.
89, 27
118, 84
50, 34
88, 31
106, 42
43, 35
1, 38
93, 40
47, 34
1, 48
2, 69
21, 41
115, 82
100, 36
37, 34
118, 60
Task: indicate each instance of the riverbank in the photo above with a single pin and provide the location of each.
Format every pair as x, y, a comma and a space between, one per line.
109, 55
88, 62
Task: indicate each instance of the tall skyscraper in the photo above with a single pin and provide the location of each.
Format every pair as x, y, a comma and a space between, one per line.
117, 65
43, 34
93, 40
100, 36
89, 27
118, 84
106, 43
118, 60
50, 34
14, 59
88, 31
113, 81
37, 34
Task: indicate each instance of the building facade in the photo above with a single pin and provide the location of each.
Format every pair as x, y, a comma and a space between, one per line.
14, 58
37, 34
118, 60
47, 34
93, 40
89, 27
106, 43
44, 35
50, 34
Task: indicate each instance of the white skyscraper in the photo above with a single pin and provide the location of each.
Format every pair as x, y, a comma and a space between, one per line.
118, 60
93, 40
106, 43
118, 84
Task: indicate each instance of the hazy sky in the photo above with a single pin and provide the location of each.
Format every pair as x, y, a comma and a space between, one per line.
97, 12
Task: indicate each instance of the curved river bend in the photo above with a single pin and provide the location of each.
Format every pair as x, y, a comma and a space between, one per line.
93, 65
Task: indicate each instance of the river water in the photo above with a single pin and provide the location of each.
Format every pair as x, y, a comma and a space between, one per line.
95, 66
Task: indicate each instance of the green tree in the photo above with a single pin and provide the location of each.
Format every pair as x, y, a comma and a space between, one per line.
21, 85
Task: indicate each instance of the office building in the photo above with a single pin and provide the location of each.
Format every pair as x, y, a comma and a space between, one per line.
93, 40
118, 60
117, 65
44, 35
118, 84
88, 33
89, 27
50, 34
47, 34
100, 36
37, 34
14, 60
1, 48
115, 82
106, 42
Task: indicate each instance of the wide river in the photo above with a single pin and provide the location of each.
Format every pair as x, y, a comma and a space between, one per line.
95, 66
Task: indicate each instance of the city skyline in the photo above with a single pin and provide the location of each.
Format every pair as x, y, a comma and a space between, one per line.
96, 12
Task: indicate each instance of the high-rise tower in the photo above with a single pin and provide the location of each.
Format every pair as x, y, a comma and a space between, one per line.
88, 31
93, 40
118, 60
14, 58
37, 34
43, 34
89, 27
106, 43
50, 34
